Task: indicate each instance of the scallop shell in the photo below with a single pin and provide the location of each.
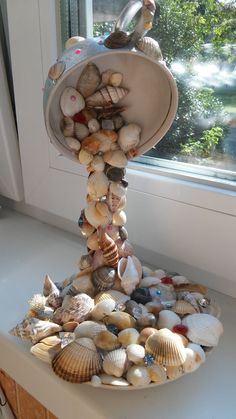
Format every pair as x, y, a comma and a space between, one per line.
187, 296
68, 127
35, 329
106, 96
145, 333
117, 296
168, 319
183, 307
78, 361
113, 381
150, 47
116, 158
128, 336
77, 308
85, 157
56, 70
203, 329
157, 373
120, 319
49, 287
167, 347
109, 249
81, 131
89, 80
103, 309
129, 137
92, 242
71, 101
47, 348
72, 143
129, 277
89, 329
135, 353
138, 376
117, 39
106, 341
115, 362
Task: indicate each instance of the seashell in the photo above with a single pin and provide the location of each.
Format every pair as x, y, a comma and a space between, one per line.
49, 287
138, 376
89, 329
133, 309
117, 296
141, 295
113, 381
174, 372
150, 47
117, 39
132, 153
198, 349
103, 309
108, 124
86, 261
35, 329
45, 314
168, 319
159, 273
109, 249
128, 336
106, 96
96, 381
92, 242
91, 144
117, 189
69, 326
77, 308
149, 281
193, 360
129, 276
56, 70
71, 101
179, 280
146, 271
89, 80
145, 333
120, 319
97, 185
191, 288
129, 137
106, 341
115, 362
157, 373
165, 293
117, 284
125, 248
123, 233
94, 217
98, 260
106, 136
83, 284
212, 308
182, 308
54, 301
114, 174
187, 296
88, 114
68, 127
154, 307
73, 41
93, 125
112, 78
81, 131
135, 353
112, 231
38, 302
97, 164
167, 347
116, 158
116, 203
78, 361
119, 218
85, 157
203, 329
72, 143
47, 348
146, 320
103, 278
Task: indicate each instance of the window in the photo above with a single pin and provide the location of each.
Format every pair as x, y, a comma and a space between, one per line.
197, 39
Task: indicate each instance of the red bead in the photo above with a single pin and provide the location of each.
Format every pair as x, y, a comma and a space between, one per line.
79, 117
77, 51
167, 280
181, 329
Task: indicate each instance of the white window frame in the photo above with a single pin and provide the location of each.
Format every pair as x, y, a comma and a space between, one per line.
174, 222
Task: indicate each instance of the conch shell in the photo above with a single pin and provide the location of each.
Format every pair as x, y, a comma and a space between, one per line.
89, 80
106, 96
109, 249
35, 329
128, 275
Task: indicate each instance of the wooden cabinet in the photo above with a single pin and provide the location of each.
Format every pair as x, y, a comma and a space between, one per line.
23, 405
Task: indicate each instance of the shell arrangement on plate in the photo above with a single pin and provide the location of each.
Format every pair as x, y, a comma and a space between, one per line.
116, 322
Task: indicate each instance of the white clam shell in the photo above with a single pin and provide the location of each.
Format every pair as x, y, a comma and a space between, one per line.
168, 319
180, 279
94, 217
72, 143
103, 309
89, 329
193, 360
129, 137
128, 336
81, 131
129, 277
97, 164
116, 158
135, 353
71, 101
113, 381
138, 376
149, 281
115, 362
203, 329
97, 185
174, 372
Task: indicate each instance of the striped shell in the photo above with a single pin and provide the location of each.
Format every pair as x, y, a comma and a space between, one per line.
106, 96
47, 348
89, 329
117, 296
35, 329
103, 278
167, 347
203, 329
78, 361
191, 288
150, 47
182, 307
115, 362
109, 250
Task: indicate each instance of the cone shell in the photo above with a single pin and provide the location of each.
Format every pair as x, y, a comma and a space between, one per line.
138, 376
135, 353
106, 96
117, 296
129, 137
56, 70
89, 329
116, 158
203, 329
71, 101
78, 361
115, 362
103, 309
89, 80
150, 47
97, 185
128, 336
120, 319
168, 319
106, 341
167, 347
183, 307
157, 373
47, 348
109, 249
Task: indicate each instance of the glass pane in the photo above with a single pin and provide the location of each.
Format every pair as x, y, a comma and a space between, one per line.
198, 41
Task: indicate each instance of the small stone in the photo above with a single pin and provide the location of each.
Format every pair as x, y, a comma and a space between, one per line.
141, 295
113, 329
108, 124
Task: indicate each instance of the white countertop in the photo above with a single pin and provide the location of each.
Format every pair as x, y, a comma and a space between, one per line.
28, 250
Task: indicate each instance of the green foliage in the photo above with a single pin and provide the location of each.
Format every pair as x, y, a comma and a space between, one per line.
203, 147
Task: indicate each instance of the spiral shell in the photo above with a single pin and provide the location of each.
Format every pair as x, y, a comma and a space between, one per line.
35, 329
89, 80
78, 361
167, 347
109, 249
115, 362
106, 96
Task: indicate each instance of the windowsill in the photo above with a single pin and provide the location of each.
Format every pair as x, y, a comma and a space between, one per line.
29, 250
